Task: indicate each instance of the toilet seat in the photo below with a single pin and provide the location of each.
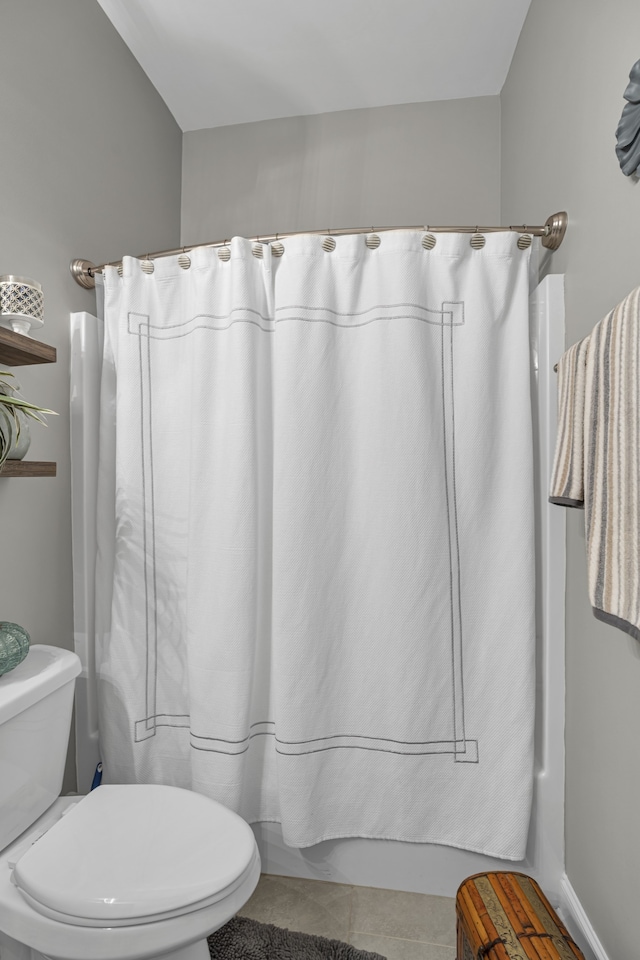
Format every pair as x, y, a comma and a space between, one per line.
52, 914
132, 854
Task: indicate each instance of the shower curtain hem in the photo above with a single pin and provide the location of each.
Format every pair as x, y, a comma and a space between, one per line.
380, 836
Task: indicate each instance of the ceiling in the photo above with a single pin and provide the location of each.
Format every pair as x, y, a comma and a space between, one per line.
219, 62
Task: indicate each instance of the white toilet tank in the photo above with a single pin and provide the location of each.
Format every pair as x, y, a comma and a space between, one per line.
35, 720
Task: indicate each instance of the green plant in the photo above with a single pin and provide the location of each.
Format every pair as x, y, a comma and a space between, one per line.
10, 404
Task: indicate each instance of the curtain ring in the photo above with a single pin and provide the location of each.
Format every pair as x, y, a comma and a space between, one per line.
328, 244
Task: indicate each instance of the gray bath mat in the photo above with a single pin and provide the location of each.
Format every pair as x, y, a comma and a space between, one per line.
245, 939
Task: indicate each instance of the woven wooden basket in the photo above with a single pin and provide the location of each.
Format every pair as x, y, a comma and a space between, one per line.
506, 916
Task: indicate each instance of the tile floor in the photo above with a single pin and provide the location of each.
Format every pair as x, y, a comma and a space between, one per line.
399, 926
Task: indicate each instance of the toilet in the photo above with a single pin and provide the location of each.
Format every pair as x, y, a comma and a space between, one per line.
129, 871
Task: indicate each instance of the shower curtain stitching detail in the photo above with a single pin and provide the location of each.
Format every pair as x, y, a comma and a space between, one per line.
446, 496
456, 532
148, 711
347, 746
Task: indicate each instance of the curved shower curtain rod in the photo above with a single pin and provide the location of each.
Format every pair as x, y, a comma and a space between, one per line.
552, 234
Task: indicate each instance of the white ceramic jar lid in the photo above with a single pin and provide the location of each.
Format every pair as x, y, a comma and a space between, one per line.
129, 851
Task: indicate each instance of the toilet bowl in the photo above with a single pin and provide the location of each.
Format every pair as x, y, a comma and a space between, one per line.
127, 872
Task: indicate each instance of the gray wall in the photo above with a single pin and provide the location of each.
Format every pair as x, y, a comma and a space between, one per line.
560, 108
423, 162
90, 167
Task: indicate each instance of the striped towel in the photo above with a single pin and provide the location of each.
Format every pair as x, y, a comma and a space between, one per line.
599, 464
567, 477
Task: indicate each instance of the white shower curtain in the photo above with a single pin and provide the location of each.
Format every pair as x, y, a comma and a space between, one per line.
315, 575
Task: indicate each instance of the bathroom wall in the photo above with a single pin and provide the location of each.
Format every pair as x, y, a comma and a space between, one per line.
560, 108
89, 167
414, 163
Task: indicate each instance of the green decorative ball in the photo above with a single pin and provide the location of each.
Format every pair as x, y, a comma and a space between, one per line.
14, 646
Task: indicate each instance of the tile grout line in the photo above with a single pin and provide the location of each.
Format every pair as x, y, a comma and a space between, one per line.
350, 913
386, 936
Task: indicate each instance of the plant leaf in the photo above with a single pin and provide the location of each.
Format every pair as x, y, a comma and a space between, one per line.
34, 416
24, 404
6, 434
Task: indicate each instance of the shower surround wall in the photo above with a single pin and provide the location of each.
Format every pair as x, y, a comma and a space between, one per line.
436, 162
91, 167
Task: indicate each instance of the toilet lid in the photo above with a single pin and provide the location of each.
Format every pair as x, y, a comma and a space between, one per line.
136, 851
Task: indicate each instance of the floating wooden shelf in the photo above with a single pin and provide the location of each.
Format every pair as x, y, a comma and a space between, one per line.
17, 350
27, 468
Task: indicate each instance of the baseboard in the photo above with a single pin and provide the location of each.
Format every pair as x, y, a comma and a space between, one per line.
574, 916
